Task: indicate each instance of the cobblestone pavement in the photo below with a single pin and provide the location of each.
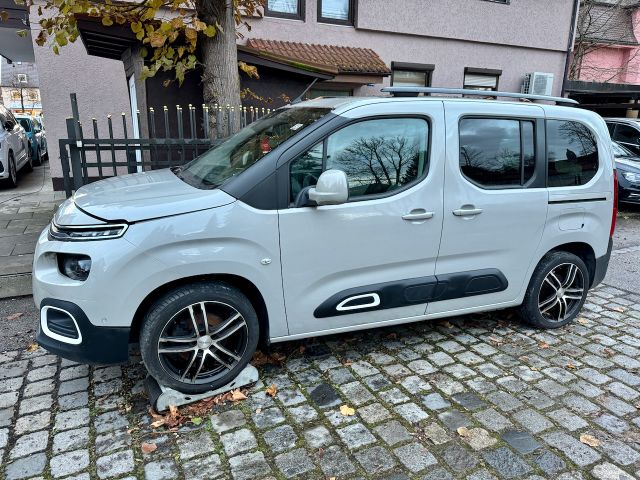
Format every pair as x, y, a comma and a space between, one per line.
526, 399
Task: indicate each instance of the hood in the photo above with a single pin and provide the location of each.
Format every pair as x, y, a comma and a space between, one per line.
628, 165
147, 195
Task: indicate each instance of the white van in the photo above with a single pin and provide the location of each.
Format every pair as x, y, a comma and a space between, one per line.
329, 216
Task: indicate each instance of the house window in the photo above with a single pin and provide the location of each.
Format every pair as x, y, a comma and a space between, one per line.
336, 11
481, 79
22, 78
410, 74
285, 9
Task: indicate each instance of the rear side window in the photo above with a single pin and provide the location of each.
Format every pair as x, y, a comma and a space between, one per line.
626, 134
496, 152
572, 153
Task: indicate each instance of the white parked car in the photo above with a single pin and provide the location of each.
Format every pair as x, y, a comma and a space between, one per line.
14, 148
329, 216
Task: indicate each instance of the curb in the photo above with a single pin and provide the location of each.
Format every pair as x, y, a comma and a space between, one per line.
15, 285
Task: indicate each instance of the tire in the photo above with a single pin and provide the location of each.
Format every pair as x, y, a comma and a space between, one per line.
176, 314
554, 300
29, 166
12, 180
38, 159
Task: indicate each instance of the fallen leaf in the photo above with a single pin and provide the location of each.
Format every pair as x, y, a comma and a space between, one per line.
392, 336
608, 352
258, 410
571, 366
148, 447
32, 347
301, 349
543, 345
158, 423
272, 391
583, 321
196, 421
446, 324
347, 363
463, 431
618, 309
589, 440
173, 411
347, 411
321, 453
15, 316
237, 395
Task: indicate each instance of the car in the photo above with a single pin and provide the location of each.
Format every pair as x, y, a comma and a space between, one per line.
14, 151
36, 136
626, 132
329, 216
628, 168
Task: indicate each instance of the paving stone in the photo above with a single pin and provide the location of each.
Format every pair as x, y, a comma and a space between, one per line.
338, 376
68, 463
281, 438
376, 382
194, 445
411, 412
434, 401
356, 393
294, 463
394, 396
4, 437
375, 460
324, 396
549, 463
364, 369
29, 444
567, 419
483, 474
32, 423
532, 420
521, 441
469, 400
227, 420
608, 471
611, 423
303, 413
161, 470
74, 400
355, 436
459, 458
436, 434
249, 466
373, 413
578, 452
34, 404
438, 474
335, 463
72, 386
580, 405
421, 367
268, 418
26, 467
6, 416
114, 440
615, 406
291, 397
11, 384
317, 437
415, 457
238, 441
504, 401
493, 420
479, 439
8, 399
620, 452
207, 468
414, 384
115, 464
41, 373
507, 463
392, 433
70, 440
75, 371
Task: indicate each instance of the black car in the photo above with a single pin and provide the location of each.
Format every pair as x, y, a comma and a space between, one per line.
628, 166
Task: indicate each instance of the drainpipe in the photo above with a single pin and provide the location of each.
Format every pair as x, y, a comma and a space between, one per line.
574, 23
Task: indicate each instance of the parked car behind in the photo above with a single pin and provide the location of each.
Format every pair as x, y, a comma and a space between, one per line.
14, 148
628, 166
36, 136
328, 216
625, 131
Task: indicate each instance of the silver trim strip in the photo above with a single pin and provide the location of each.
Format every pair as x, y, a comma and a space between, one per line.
374, 303
55, 336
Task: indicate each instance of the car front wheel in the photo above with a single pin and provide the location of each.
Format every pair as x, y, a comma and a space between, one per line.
199, 337
557, 291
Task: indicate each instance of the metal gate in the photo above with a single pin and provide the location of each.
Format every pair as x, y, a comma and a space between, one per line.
86, 159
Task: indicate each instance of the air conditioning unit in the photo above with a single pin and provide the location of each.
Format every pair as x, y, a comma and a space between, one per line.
538, 83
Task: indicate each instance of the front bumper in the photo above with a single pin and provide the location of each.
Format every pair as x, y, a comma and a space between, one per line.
602, 263
97, 345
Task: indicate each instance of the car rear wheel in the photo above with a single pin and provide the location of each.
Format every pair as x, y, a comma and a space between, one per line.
557, 291
38, 158
199, 337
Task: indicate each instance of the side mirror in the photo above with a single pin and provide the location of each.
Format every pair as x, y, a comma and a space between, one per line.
332, 188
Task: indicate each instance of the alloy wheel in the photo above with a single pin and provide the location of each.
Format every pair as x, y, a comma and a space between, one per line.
561, 292
202, 342
13, 174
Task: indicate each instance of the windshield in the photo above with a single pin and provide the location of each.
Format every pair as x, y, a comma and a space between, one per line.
620, 151
25, 124
239, 152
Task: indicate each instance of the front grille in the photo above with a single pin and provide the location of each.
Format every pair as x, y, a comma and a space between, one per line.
62, 324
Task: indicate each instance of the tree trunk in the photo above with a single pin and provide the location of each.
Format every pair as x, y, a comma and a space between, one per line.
220, 77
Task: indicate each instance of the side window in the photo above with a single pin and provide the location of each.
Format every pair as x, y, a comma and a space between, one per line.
378, 156
497, 152
611, 127
626, 134
572, 152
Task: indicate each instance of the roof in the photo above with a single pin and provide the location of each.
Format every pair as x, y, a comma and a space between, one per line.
348, 60
609, 23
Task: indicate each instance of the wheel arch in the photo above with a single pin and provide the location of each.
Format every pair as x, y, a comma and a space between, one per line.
582, 250
244, 285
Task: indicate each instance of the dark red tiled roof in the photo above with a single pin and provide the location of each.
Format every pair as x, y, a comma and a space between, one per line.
346, 59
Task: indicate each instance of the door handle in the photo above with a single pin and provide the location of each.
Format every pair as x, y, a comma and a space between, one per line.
417, 214
467, 212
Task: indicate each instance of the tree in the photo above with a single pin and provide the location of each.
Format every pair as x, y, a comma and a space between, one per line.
598, 29
177, 36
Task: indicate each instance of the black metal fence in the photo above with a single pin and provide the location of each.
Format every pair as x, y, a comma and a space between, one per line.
174, 138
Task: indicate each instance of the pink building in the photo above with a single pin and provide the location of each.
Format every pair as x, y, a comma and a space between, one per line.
605, 71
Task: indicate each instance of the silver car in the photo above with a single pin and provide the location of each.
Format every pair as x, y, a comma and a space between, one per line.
329, 216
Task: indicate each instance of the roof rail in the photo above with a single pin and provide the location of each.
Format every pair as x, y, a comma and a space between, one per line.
414, 91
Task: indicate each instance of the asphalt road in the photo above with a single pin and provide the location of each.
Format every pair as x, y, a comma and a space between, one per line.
624, 272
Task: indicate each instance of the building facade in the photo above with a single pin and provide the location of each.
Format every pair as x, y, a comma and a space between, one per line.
20, 87
347, 47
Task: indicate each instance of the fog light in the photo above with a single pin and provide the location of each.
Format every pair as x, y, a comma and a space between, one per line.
76, 267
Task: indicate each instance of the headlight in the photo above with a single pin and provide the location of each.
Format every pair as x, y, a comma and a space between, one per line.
632, 177
92, 232
76, 267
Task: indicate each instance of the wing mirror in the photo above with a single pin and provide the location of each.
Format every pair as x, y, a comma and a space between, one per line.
332, 188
